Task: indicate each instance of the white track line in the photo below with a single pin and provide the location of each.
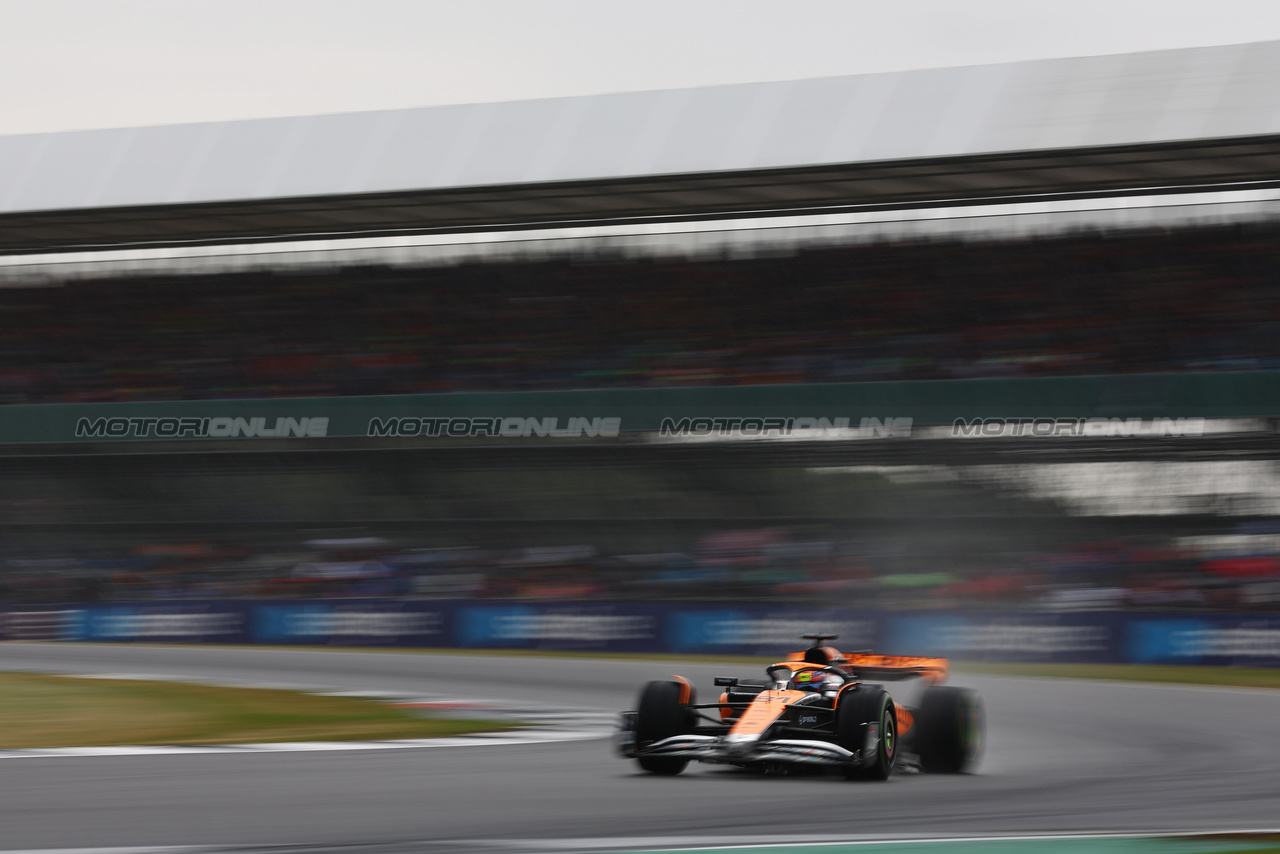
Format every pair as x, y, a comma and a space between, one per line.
172, 849
713, 843
668, 843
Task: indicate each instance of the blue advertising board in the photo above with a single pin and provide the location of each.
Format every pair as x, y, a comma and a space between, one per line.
586, 626
764, 631
36, 622
1232, 640
1006, 636
357, 622
627, 627
159, 622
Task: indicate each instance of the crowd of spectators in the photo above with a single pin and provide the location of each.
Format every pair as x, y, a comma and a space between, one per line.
1190, 300
774, 566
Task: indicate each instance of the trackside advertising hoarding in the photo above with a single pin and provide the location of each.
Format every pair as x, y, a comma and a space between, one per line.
626, 627
147, 622
978, 407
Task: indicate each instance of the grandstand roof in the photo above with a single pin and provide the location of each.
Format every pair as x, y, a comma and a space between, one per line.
1109, 124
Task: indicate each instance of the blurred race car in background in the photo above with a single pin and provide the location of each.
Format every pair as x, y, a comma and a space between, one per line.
818, 707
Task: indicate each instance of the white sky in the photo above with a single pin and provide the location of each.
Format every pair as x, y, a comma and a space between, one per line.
75, 64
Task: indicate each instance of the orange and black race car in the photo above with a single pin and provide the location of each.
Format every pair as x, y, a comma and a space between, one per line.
818, 707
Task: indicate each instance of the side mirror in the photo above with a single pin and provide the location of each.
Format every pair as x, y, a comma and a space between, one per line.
726, 681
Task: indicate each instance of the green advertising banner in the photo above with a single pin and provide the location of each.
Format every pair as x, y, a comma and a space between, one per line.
877, 409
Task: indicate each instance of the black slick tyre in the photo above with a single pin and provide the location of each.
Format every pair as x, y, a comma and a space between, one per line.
659, 715
857, 712
949, 730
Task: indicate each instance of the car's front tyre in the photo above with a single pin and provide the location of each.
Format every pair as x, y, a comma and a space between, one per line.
866, 722
659, 715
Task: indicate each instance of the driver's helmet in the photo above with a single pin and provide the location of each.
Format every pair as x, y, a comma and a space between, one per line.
809, 679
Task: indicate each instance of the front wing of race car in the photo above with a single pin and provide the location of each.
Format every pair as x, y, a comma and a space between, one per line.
732, 749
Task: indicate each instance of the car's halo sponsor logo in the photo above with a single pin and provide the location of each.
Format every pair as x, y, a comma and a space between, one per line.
509, 427
202, 428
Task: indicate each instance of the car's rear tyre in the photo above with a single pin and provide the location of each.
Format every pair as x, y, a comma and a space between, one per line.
659, 715
950, 729
858, 710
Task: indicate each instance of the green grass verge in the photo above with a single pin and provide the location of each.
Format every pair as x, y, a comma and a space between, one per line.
57, 711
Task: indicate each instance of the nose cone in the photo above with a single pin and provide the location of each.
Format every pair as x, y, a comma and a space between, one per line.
737, 743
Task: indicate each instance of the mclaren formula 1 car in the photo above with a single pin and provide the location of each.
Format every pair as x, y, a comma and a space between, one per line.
818, 707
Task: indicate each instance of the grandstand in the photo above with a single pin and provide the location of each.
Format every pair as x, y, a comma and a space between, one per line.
1142, 302
216, 292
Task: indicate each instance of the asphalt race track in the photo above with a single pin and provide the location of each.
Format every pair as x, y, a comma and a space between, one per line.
1062, 756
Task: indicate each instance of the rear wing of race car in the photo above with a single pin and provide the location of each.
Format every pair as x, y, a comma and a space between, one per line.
889, 668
